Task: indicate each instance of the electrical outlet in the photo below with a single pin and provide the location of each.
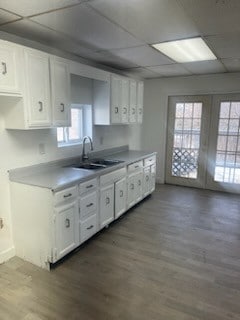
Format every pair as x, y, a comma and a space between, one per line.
1, 223
41, 148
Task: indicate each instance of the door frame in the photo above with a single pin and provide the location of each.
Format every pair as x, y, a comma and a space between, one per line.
200, 181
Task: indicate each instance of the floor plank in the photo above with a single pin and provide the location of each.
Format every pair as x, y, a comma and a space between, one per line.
176, 255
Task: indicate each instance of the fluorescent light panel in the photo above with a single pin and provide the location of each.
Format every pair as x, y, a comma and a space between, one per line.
187, 50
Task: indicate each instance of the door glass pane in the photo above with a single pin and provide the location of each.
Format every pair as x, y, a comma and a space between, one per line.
186, 139
227, 167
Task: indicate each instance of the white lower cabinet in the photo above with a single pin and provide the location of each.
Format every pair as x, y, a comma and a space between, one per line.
88, 209
120, 197
106, 205
67, 232
45, 233
88, 228
146, 181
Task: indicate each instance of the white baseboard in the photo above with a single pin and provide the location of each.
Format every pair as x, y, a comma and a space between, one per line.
7, 254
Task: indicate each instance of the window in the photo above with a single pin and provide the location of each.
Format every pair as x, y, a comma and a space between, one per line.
81, 120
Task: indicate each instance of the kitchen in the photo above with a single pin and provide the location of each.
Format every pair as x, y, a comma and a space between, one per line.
162, 79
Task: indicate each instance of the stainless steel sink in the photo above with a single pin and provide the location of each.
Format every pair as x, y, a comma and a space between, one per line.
96, 164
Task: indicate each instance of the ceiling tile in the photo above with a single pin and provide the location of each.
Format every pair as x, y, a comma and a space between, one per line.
203, 67
214, 16
33, 31
170, 70
225, 46
84, 24
27, 8
106, 58
142, 55
232, 65
7, 17
152, 20
141, 72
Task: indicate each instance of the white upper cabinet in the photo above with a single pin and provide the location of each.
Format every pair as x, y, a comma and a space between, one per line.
60, 85
9, 68
125, 100
37, 88
133, 102
140, 102
116, 99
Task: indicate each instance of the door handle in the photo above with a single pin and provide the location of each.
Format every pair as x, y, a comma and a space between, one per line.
121, 193
67, 195
63, 107
89, 205
116, 109
107, 200
40, 106
4, 68
132, 186
90, 227
67, 223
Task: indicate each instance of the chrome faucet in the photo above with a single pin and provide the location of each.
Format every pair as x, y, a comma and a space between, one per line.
84, 154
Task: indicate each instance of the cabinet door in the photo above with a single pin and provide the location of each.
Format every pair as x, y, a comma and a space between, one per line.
106, 205
133, 102
67, 229
60, 84
153, 178
8, 68
38, 89
146, 181
138, 184
125, 100
120, 197
131, 188
140, 102
116, 87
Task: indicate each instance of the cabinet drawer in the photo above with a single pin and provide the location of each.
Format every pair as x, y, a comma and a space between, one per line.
88, 205
87, 186
135, 166
65, 195
112, 176
88, 227
149, 161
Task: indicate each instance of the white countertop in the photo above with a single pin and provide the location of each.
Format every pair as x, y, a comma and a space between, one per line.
60, 177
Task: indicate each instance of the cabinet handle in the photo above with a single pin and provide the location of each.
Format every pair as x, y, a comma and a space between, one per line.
4, 68
89, 205
133, 110
67, 195
136, 167
67, 223
90, 227
116, 109
125, 110
107, 200
62, 105
40, 106
89, 186
121, 193
147, 178
132, 186
139, 182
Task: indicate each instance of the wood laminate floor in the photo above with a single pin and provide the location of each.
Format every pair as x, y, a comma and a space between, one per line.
174, 256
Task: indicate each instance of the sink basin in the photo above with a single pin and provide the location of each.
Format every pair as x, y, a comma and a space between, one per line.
96, 164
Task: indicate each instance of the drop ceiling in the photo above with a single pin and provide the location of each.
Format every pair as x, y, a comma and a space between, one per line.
118, 34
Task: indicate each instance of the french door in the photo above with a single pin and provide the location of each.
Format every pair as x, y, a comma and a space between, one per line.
203, 145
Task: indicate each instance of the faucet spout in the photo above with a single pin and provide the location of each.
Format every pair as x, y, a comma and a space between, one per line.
84, 154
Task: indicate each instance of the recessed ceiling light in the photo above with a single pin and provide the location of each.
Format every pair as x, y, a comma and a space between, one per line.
187, 50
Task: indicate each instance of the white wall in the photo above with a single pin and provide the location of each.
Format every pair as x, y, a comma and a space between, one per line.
156, 93
21, 148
